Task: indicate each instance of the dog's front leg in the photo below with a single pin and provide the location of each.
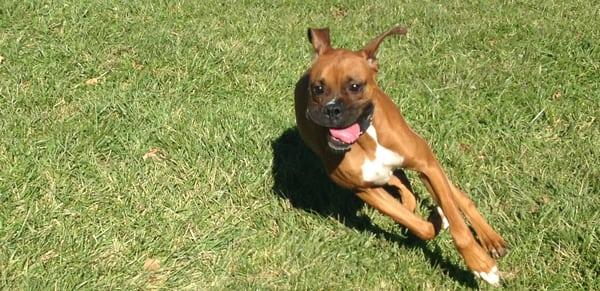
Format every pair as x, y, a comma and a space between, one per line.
407, 197
488, 238
385, 203
474, 255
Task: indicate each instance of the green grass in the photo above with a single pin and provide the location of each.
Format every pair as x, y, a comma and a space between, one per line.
508, 95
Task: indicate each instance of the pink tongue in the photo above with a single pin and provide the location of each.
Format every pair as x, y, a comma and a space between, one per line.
347, 135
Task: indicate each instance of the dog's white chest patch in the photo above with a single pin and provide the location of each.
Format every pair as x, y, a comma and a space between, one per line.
379, 170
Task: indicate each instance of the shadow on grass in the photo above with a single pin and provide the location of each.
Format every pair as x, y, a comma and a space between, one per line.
300, 178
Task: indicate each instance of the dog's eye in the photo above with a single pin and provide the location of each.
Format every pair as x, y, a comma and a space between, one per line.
318, 90
355, 87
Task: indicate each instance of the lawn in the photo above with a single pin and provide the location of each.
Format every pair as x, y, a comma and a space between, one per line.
151, 144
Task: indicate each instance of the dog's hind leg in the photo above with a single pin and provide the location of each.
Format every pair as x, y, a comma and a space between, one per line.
476, 258
488, 238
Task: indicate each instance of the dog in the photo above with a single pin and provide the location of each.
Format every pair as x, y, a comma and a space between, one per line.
362, 138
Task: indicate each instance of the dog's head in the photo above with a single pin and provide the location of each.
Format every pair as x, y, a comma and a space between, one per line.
340, 86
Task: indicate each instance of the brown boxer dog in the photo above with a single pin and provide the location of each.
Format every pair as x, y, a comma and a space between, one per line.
361, 137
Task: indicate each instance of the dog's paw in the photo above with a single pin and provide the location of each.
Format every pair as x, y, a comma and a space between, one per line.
438, 219
445, 223
492, 277
493, 243
498, 252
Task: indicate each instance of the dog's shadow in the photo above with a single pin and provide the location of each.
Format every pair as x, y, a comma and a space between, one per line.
300, 178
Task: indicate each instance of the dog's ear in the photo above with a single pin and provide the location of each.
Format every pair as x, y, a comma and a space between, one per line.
370, 50
319, 38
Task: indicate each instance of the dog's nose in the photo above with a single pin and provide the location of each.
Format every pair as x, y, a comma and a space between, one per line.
333, 110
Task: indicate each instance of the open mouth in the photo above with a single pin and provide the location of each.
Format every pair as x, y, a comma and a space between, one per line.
341, 139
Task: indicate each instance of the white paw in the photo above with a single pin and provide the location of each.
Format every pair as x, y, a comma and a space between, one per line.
445, 223
491, 277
